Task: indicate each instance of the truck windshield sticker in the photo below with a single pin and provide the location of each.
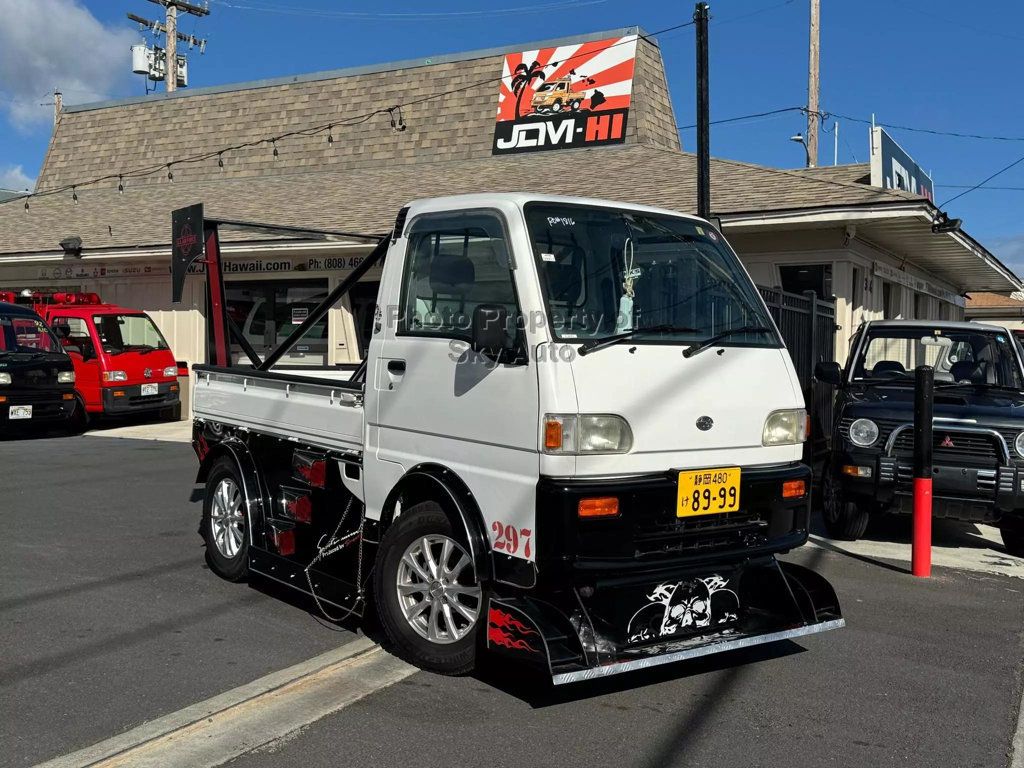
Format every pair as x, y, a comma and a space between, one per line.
569, 96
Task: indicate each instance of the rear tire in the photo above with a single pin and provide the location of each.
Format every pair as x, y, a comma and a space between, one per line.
224, 527
843, 518
427, 594
1013, 540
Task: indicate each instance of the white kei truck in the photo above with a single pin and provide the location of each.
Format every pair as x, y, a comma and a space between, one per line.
575, 440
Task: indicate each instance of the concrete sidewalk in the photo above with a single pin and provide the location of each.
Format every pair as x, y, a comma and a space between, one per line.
954, 545
171, 431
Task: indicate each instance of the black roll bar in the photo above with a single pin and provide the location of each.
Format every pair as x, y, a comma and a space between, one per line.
376, 255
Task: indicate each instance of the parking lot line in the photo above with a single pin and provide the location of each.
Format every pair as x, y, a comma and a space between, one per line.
214, 731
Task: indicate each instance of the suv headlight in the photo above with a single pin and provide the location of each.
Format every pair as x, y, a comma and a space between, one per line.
65, 377
787, 427
115, 376
5, 378
1018, 444
863, 432
171, 370
573, 434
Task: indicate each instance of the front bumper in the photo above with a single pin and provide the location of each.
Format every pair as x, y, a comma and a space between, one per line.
620, 625
133, 401
960, 492
648, 536
48, 406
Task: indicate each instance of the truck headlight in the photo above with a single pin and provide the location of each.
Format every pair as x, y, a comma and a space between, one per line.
115, 376
5, 378
787, 427
65, 377
1018, 444
863, 432
574, 434
171, 370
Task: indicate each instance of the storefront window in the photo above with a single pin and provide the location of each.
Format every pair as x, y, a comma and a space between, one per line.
807, 277
267, 313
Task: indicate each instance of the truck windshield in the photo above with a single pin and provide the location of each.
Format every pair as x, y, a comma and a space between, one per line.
26, 335
608, 272
980, 357
128, 333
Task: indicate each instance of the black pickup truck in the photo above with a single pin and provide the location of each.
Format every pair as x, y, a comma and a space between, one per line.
978, 426
37, 377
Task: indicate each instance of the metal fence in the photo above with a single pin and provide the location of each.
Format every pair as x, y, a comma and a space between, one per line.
808, 326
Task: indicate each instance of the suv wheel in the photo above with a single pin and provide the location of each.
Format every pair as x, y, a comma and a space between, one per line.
843, 519
1013, 539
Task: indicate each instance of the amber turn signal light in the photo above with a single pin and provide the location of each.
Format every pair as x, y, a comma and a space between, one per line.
793, 489
118, 393
68, 396
602, 506
552, 435
3, 399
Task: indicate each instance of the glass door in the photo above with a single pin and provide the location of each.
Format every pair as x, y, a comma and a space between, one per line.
268, 312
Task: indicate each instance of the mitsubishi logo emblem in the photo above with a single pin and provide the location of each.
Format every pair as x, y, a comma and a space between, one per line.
947, 442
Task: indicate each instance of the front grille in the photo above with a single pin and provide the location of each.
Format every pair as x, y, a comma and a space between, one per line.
951, 446
699, 533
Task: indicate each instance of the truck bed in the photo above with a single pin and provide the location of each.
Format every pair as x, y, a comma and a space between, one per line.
322, 412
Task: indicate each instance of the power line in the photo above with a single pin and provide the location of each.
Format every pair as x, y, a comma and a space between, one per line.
408, 15
392, 111
980, 184
990, 189
749, 117
932, 131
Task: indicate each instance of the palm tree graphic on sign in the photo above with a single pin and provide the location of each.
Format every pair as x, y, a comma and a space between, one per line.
523, 76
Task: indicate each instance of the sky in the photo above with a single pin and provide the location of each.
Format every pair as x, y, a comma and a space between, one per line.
929, 64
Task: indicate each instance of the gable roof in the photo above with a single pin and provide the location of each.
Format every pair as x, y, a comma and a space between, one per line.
97, 140
368, 199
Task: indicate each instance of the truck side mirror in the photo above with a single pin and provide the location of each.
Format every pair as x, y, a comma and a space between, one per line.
829, 373
62, 330
490, 330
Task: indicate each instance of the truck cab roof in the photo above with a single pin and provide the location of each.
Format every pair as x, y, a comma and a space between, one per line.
951, 325
519, 199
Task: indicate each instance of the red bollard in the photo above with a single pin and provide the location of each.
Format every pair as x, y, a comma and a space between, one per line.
921, 555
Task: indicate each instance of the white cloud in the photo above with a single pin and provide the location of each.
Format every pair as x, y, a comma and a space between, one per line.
13, 177
47, 44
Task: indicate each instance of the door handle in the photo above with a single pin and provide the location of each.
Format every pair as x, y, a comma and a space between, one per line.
396, 367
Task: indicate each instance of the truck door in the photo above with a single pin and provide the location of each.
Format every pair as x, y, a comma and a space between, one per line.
87, 365
439, 403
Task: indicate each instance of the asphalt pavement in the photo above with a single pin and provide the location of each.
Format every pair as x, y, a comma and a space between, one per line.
108, 614
109, 619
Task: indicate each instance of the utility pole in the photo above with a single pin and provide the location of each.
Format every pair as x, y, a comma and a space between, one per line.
58, 105
813, 119
169, 29
700, 18
171, 24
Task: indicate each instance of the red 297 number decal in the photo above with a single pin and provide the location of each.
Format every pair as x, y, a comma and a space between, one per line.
508, 539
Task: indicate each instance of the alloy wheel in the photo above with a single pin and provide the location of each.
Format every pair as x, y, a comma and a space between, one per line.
436, 589
227, 521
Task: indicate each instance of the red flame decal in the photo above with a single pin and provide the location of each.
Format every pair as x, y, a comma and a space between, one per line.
502, 629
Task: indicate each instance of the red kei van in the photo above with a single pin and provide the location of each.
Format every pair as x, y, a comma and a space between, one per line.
122, 362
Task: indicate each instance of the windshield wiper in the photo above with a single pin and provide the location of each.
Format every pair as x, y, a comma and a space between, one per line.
607, 341
954, 384
702, 345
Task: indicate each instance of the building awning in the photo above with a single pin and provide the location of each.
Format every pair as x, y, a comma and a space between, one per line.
902, 230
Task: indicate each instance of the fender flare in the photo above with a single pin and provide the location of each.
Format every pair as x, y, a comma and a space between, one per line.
256, 500
444, 486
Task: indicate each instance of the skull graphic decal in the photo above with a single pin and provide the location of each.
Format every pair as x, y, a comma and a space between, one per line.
684, 606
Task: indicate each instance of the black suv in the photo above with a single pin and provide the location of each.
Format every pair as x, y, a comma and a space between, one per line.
37, 377
978, 426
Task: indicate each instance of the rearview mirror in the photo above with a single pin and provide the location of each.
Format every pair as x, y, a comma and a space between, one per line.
829, 373
490, 330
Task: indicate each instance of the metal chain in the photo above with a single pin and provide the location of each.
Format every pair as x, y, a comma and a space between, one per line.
332, 546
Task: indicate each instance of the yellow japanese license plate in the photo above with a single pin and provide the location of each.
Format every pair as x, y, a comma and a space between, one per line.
708, 491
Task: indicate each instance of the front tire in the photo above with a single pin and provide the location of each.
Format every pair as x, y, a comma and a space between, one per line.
1013, 540
843, 519
224, 527
427, 592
